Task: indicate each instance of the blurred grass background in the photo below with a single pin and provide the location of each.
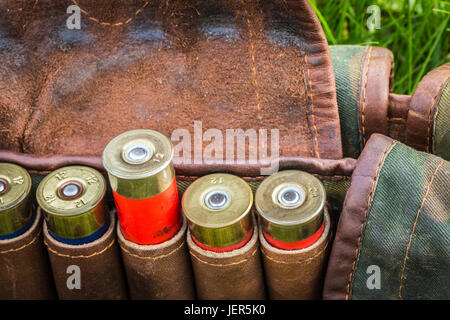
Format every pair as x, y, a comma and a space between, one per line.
416, 31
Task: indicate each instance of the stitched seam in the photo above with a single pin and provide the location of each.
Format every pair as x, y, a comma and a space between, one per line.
24, 246
364, 96
297, 262
311, 104
260, 177
153, 258
397, 119
116, 24
414, 228
253, 56
430, 111
81, 256
341, 177
366, 210
255, 179
220, 264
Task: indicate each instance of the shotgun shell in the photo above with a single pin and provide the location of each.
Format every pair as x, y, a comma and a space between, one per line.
218, 210
142, 177
290, 205
15, 205
72, 200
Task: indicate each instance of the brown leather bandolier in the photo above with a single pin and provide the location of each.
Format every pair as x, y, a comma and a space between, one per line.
24, 268
98, 265
158, 272
194, 70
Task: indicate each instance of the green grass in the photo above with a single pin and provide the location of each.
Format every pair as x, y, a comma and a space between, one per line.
416, 31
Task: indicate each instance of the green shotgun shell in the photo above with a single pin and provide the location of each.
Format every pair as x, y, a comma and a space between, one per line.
290, 205
15, 204
72, 199
218, 210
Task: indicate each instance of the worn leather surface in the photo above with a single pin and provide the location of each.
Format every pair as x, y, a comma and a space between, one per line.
296, 274
235, 275
322, 167
101, 271
374, 95
397, 115
162, 65
353, 218
158, 272
24, 268
419, 123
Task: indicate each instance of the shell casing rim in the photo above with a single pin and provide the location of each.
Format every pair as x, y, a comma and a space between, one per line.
114, 147
74, 212
18, 213
219, 234
294, 230
26, 191
80, 222
245, 210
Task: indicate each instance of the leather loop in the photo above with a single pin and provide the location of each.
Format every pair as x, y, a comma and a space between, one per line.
24, 268
423, 107
397, 115
235, 275
374, 95
98, 263
158, 272
297, 274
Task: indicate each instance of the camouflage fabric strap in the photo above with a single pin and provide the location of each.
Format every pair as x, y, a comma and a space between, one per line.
348, 70
431, 101
441, 130
395, 222
364, 77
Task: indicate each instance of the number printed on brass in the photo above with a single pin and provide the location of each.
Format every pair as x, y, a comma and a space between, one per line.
290, 205
142, 177
218, 210
72, 200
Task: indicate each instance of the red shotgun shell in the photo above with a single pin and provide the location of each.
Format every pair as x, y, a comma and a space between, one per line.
142, 178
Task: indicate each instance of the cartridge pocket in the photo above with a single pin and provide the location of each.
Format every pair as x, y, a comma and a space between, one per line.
88, 271
297, 274
234, 275
158, 272
24, 268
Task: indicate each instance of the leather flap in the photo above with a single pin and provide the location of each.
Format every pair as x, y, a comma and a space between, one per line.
163, 65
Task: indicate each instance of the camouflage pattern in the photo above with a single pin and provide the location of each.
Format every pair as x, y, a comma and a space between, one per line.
441, 130
407, 234
348, 63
